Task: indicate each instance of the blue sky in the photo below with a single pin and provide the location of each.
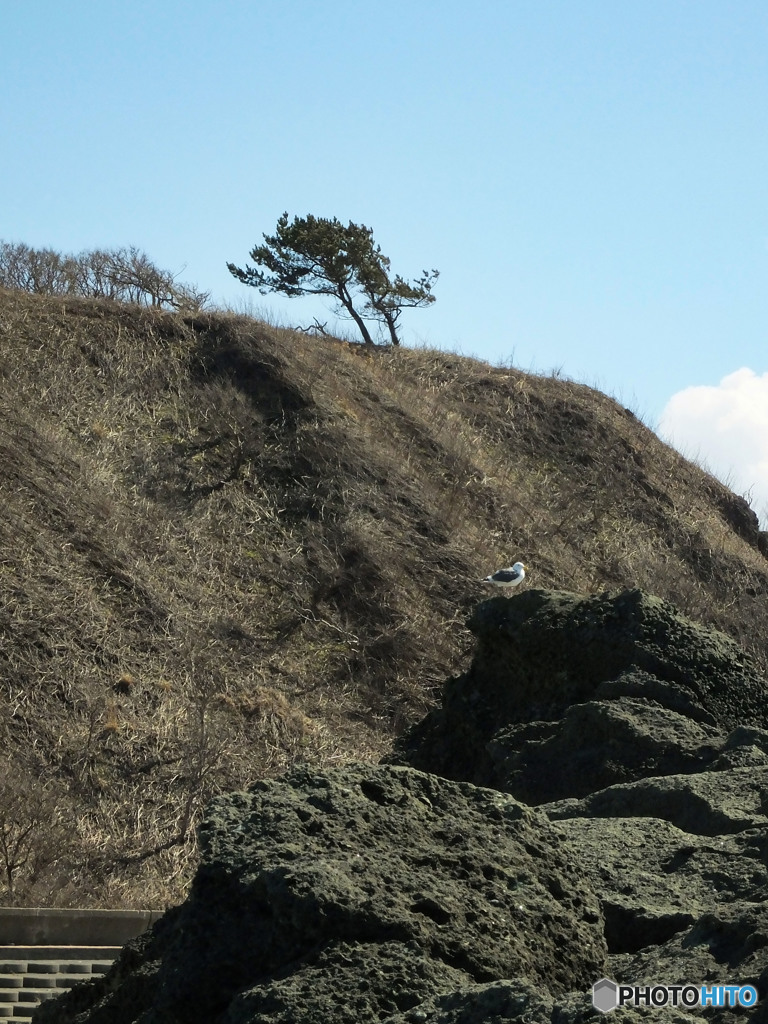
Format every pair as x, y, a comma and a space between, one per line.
589, 176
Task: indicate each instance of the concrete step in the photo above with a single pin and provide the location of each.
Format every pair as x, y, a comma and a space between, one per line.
45, 951
31, 974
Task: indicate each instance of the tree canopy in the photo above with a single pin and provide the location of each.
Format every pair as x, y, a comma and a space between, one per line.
317, 256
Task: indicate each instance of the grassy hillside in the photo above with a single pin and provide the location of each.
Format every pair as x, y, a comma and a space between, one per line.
225, 547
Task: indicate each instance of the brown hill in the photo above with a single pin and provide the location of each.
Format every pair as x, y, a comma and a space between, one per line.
226, 547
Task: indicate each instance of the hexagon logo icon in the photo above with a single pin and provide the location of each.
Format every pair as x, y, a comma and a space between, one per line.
604, 994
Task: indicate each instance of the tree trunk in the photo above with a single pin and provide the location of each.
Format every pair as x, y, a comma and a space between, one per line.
390, 319
346, 301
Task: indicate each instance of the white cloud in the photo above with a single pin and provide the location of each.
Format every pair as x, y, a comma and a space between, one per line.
726, 427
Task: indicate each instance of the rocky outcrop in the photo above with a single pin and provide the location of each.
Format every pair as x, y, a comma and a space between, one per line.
361, 892
642, 736
589, 801
568, 695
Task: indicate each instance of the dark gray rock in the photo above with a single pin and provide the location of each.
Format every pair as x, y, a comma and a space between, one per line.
712, 803
597, 744
654, 880
514, 1002
370, 888
347, 983
727, 945
643, 737
744, 746
569, 694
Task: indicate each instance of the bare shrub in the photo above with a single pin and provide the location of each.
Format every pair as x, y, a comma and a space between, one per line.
32, 834
125, 275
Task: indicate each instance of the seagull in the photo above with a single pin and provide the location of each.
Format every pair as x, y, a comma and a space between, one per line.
511, 577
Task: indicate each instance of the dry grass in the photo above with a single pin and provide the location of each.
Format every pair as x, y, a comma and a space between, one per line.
226, 547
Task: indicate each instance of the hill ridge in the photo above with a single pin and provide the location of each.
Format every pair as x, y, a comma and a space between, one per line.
226, 547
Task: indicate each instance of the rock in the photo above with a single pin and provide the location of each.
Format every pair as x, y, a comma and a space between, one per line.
569, 694
514, 1002
347, 983
502, 1002
597, 744
707, 804
643, 737
736, 511
744, 746
355, 895
725, 946
654, 880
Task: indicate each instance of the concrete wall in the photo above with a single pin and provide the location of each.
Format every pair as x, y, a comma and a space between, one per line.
41, 927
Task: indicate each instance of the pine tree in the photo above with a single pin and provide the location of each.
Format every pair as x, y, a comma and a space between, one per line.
316, 256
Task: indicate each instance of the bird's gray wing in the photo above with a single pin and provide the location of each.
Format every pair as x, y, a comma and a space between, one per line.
505, 576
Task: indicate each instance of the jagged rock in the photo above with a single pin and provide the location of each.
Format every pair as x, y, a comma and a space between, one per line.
746, 745
708, 804
515, 1002
347, 983
643, 737
569, 694
353, 896
598, 743
498, 1002
726, 945
655, 880
737, 513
